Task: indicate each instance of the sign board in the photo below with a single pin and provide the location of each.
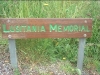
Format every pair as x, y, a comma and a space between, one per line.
16, 28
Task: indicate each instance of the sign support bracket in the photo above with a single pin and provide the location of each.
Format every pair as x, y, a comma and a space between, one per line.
12, 50
13, 55
82, 42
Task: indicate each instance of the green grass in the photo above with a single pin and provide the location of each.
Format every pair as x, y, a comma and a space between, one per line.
42, 50
16, 71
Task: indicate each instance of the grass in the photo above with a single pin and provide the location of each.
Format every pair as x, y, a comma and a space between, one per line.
16, 71
44, 50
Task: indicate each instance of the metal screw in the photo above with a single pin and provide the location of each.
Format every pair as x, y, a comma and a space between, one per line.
85, 21
8, 21
84, 35
9, 36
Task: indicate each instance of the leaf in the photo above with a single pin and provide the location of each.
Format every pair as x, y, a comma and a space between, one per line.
98, 45
78, 71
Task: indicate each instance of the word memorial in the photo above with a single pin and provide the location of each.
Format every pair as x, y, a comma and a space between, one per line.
24, 28
46, 28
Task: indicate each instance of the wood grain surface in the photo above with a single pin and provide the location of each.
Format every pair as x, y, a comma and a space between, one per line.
18, 28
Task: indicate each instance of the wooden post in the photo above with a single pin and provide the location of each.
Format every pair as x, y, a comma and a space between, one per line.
81, 53
13, 55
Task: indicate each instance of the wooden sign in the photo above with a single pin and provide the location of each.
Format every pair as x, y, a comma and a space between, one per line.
16, 28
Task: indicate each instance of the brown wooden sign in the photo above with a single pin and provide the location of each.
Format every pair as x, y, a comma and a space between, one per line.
16, 28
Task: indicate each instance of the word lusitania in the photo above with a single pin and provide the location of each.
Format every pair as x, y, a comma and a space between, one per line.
42, 28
